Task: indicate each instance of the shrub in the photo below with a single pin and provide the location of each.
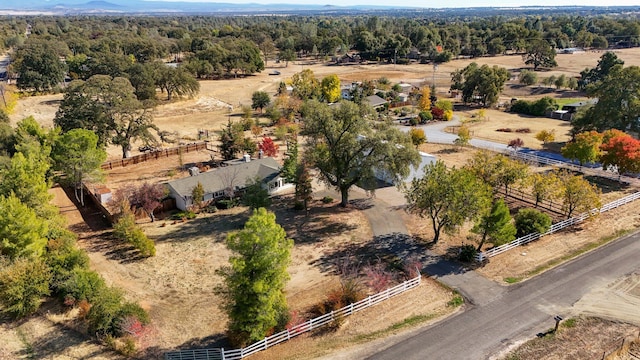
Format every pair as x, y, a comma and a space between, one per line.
105, 308
534, 108
227, 203
187, 214
467, 253
62, 256
298, 205
327, 199
437, 113
378, 278
530, 221
425, 116
126, 229
83, 284
23, 284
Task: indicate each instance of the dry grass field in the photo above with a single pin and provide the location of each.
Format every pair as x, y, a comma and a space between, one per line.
177, 286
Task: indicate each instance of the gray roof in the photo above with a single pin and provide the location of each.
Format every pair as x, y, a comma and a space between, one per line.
375, 100
238, 174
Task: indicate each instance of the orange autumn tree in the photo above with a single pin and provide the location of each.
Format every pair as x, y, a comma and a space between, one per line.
620, 152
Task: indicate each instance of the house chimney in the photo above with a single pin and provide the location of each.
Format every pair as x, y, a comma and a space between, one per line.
247, 157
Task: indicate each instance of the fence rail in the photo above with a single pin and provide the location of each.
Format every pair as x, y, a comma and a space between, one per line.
154, 155
221, 354
556, 227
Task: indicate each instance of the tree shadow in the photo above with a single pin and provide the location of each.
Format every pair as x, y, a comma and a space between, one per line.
391, 248
216, 226
314, 227
91, 215
112, 247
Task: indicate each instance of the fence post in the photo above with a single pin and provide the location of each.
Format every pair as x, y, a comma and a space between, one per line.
222, 353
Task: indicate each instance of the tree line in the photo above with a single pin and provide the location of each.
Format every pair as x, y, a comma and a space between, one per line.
39, 258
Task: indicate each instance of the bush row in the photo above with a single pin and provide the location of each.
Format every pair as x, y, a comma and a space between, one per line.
534, 108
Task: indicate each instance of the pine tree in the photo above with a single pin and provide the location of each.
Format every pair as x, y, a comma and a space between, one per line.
254, 284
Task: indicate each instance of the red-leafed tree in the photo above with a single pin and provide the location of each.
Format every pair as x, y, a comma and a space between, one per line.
437, 113
268, 147
621, 152
146, 196
516, 144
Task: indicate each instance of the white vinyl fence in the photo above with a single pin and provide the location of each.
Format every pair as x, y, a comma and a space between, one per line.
221, 354
556, 227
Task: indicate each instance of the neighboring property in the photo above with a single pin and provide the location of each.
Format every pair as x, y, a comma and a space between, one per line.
221, 182
376, 101
415, 172
568, 110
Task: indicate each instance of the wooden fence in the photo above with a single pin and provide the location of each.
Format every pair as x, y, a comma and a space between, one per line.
556, 227
154, 155
221, 354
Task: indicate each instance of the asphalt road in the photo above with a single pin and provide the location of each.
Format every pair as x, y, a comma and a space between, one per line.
521, 311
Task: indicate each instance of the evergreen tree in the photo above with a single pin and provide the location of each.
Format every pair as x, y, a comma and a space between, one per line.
254, 283
495, 226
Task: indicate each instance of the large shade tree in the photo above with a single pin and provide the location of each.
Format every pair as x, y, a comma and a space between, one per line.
449, 197
108, 106
480, 84
540, 54
347, 147
38, 63
618, 105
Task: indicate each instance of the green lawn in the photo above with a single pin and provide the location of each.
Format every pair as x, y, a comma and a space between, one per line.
562, 101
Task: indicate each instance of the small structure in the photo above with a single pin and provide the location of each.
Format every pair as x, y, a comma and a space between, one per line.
376, 101
229, 180
102, 194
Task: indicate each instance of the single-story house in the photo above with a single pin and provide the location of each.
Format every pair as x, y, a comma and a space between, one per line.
218, 182
376, 101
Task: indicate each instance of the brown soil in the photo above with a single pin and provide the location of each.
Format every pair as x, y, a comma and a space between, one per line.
587, 338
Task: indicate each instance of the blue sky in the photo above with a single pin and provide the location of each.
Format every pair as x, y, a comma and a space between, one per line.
436, 3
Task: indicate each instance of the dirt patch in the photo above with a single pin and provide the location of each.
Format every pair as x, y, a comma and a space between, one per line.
581, 338
43, 336
618, 301
486, 129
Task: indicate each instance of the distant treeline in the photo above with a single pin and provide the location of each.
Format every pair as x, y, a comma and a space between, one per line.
218, 46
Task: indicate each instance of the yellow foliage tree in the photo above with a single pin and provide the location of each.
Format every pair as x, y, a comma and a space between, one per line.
330, 87
8, 99
425, 99
448, 115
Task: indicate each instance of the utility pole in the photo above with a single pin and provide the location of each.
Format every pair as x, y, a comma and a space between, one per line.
435, 67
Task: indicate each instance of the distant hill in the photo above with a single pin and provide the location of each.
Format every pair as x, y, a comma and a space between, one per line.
71, 7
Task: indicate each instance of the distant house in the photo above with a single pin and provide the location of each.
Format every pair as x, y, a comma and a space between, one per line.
219, 182
568, 111
376, 101
414, 173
